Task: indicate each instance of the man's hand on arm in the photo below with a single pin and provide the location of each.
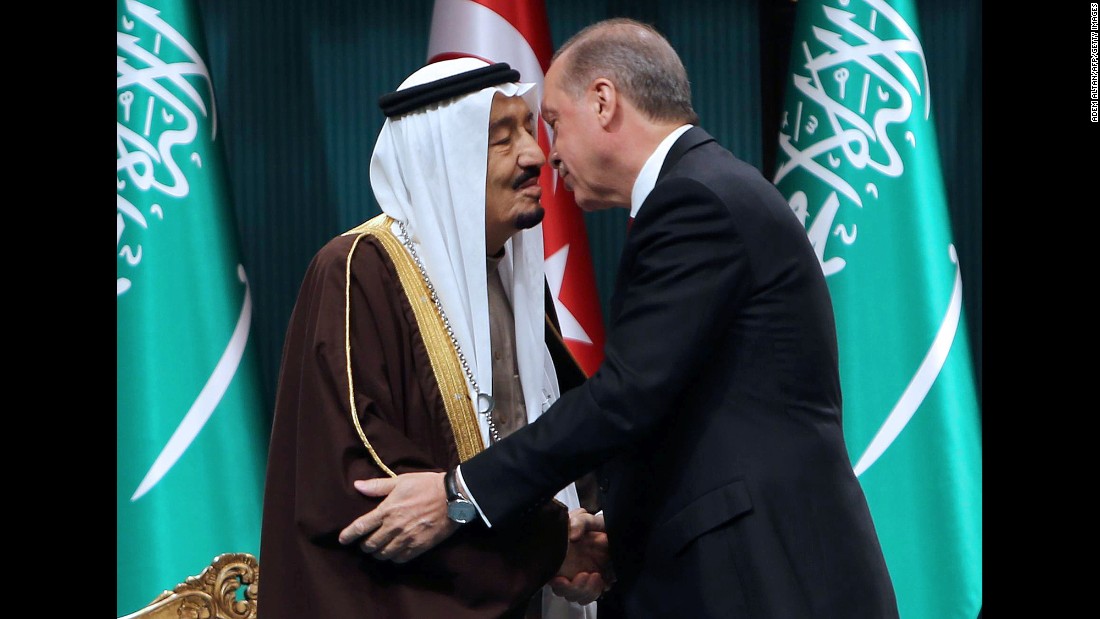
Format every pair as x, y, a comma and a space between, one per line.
411, 519
586, 572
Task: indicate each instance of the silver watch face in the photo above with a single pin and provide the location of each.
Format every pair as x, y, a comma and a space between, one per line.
461, 511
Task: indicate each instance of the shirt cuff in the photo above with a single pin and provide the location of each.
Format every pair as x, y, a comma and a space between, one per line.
469, 495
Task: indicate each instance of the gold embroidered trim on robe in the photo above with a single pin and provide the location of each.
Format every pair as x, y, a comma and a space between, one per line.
441, 353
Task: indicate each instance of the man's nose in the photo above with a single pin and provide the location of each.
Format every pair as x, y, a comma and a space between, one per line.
531, 154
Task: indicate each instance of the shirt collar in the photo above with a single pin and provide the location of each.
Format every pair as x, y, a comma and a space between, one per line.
647, 177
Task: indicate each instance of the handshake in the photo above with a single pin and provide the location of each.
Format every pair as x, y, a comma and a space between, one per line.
586, 571
412, 518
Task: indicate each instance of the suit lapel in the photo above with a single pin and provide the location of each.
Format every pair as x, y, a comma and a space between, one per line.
690, 139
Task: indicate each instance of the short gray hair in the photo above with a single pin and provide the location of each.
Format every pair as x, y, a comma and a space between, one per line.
638, 60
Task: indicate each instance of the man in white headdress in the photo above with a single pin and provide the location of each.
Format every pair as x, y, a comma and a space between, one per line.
419, 338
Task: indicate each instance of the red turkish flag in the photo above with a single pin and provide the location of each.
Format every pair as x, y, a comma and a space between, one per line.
517, 32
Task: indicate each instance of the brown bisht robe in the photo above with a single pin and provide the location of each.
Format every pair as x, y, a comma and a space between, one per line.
405, 375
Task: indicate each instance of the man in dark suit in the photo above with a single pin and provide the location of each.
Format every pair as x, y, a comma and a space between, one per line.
714, 423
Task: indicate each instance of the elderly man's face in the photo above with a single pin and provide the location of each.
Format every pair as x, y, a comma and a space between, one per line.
515, 160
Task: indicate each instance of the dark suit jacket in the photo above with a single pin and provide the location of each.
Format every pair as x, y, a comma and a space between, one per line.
715, 419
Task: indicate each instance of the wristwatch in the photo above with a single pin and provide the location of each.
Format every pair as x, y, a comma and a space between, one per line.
458, 508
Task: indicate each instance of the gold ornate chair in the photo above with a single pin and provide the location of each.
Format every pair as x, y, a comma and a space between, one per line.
212, 594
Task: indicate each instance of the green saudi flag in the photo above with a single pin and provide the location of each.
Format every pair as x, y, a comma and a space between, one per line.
858, 162
192, 439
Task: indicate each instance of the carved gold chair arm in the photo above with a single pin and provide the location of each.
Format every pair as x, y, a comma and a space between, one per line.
213, 594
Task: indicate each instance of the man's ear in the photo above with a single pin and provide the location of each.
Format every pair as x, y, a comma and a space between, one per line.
605, 100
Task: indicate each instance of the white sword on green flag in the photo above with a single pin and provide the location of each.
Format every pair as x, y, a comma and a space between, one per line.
208, 399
